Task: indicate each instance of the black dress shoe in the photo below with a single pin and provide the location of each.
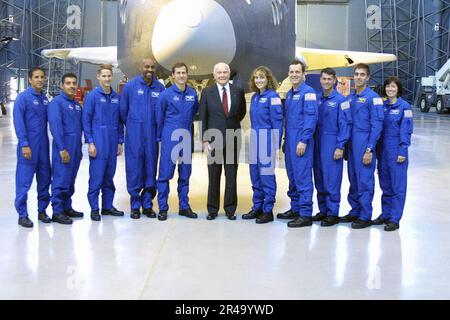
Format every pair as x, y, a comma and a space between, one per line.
319, 217
252, 215
73, 214
188, 213
43, 217
135, 214
62, 219
300, 222
348, 218
264, 218
150, 213
379, 221
26, 222
288, 215
95, 215
361, 224
112, 212
231, 216
162, 216
211, 216
391, 226
329, 221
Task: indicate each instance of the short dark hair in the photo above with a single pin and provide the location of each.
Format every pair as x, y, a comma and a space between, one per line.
395, 80
363, 66
297, 62
329, 71
33, 70
179, 65
68, 75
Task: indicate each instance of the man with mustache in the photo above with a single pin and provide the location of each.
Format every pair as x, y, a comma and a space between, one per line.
64, 117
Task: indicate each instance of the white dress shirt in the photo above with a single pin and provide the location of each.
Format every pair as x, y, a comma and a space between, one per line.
227, 87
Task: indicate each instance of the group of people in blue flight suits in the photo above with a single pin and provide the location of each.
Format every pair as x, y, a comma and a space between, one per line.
319, 130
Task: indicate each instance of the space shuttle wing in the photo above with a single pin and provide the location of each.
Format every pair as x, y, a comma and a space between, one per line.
318, 59
94, 55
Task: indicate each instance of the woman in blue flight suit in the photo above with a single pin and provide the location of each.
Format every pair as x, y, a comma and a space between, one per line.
266, 116
393, 154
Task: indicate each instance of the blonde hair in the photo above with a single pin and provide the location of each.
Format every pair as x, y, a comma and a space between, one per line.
104, 67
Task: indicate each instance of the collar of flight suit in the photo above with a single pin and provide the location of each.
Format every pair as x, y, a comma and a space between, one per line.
396, 104
264, 93
100, 90
142, 81
34, 93
175, 88
66, 97
332, 95
300, 88
363, 93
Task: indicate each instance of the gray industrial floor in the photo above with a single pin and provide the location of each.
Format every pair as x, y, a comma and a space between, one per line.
119, 258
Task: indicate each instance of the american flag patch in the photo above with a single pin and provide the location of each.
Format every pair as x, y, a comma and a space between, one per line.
345, 105
275, 101
378, 101
310, 97
408, 114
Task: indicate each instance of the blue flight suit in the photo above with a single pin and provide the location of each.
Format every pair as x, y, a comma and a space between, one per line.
333, 131
138, 113
394, 142
30, 123
175, 113
65, 120
266, 117
103, 128
367, 116
301, 120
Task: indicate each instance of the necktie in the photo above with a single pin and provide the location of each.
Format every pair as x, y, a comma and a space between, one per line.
225, 102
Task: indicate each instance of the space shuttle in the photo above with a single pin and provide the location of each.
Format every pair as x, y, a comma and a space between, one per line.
243, 33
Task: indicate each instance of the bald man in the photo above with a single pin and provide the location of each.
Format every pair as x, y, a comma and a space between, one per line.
222, 108
138, 112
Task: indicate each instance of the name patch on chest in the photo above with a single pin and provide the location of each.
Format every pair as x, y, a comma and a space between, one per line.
103, 100
140, 92
115, 100
155, 94
190, 98
296, 97
36, 103
395, 112
263, 100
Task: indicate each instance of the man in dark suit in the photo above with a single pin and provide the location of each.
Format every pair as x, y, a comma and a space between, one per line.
222, 108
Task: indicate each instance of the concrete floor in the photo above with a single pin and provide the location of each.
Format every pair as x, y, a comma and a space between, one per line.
119, 258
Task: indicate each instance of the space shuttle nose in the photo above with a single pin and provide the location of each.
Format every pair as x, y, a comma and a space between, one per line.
192, 17
199, 33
